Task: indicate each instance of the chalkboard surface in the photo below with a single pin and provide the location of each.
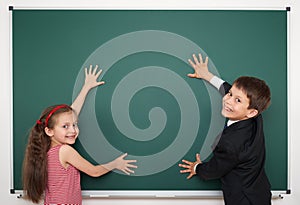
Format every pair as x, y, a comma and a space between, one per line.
148, 106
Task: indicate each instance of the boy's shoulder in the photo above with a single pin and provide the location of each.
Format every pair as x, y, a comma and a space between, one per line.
241, 132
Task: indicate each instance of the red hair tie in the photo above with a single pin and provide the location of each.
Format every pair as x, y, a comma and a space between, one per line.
39, 122
53, 111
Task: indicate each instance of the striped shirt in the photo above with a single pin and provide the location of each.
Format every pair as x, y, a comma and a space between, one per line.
63, 183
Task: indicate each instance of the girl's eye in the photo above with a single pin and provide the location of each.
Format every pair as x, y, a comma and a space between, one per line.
68, 126
238, 100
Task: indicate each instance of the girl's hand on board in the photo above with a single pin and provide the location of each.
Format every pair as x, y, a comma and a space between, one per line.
124, 165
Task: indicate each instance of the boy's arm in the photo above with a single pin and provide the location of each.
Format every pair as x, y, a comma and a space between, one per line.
201, 71
224, 159
200, 68
216, 82
91, 76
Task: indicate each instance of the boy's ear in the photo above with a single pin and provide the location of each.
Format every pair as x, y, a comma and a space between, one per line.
49, 132
252, 113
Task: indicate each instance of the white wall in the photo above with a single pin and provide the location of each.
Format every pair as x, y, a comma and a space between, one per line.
294, 99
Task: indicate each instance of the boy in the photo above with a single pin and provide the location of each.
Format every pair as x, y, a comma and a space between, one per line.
239, 155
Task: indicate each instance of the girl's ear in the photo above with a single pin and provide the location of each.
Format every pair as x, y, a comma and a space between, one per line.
252, 113
49, 132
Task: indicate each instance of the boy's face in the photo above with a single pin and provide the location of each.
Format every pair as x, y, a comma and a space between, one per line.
235, 105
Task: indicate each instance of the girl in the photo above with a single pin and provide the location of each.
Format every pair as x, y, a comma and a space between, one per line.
51, 166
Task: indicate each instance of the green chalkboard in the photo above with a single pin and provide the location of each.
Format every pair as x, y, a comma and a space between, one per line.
148, 106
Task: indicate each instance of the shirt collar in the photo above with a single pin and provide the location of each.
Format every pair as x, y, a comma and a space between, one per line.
230, 122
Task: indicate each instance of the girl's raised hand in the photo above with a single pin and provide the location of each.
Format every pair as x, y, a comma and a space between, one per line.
91, 76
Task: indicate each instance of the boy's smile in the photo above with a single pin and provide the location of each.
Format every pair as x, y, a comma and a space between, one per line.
235, 105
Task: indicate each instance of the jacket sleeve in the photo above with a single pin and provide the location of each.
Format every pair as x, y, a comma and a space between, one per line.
224, 159
224, 89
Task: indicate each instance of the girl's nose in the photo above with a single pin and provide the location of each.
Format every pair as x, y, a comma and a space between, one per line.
73, 129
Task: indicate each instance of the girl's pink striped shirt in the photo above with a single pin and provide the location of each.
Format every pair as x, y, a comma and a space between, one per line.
63, 183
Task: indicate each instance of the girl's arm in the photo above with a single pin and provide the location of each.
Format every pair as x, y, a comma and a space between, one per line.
68, 155
91, 76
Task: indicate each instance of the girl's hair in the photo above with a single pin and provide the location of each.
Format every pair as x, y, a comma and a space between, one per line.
35, 165
257, 91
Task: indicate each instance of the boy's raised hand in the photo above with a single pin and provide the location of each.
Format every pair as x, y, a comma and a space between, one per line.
200, 68
190, 166
91, 76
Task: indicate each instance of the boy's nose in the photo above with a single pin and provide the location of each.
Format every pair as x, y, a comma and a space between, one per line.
226, 98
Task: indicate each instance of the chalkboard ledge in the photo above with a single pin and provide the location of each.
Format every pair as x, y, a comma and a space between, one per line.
157, 194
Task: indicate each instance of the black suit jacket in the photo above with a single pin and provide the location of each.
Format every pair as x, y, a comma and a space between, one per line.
238, 160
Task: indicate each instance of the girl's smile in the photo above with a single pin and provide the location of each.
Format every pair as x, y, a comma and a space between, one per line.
65, 130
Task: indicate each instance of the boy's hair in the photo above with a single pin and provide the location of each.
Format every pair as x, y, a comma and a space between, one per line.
257, 91
35, 164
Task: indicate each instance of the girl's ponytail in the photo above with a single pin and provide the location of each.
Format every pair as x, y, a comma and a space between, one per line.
35, 174
35, 164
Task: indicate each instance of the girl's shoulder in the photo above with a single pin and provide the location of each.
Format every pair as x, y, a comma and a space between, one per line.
65, 152
66, 148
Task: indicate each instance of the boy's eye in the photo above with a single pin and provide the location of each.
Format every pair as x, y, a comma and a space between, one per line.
65, 126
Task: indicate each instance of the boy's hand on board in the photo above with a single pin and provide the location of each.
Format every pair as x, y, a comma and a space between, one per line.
190, 166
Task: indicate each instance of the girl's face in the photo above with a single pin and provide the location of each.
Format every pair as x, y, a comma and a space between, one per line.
235, 105
65, 130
